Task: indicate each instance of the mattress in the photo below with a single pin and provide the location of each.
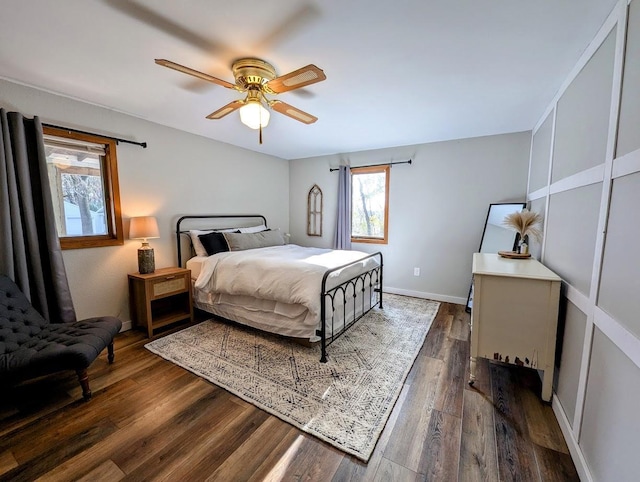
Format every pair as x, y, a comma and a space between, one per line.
195, 265
287, 319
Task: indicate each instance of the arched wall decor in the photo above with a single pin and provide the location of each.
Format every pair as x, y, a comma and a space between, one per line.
314, 211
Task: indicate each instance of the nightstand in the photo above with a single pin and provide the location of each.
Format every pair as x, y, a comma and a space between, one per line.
160, 298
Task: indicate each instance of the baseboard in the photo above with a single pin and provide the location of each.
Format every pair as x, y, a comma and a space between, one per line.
574, 448
128, 325
428, 296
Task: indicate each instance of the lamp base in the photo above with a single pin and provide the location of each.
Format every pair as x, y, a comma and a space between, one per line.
146, 261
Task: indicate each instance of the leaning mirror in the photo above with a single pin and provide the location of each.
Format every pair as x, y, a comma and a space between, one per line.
495, 235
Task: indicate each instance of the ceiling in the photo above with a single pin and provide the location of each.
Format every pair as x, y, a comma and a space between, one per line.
398, 73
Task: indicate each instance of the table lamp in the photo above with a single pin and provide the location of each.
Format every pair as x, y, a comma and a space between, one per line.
144, 227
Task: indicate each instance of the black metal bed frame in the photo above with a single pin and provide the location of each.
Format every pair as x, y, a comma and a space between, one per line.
349, 289
180, 233
375, 286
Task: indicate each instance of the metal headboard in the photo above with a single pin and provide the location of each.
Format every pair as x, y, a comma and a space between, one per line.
180, 232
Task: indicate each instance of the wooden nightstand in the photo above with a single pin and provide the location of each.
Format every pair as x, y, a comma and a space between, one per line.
160, 298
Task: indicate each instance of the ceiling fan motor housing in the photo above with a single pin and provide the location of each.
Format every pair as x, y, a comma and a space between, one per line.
248, 72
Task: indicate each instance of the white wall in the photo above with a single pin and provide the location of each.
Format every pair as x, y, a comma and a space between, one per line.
588, 146
177, 174
437, 210
438, 206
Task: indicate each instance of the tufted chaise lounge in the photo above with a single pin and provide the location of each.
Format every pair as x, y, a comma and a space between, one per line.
30, 346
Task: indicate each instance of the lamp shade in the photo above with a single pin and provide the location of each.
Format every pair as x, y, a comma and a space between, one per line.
144, 227
254, 115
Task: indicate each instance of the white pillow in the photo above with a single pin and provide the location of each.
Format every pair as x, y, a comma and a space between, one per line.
195, 241
253, 229
197, 244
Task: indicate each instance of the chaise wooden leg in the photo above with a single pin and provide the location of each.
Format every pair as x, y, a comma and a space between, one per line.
110, 355
83, 378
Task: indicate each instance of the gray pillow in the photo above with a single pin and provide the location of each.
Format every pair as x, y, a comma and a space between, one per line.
264, 239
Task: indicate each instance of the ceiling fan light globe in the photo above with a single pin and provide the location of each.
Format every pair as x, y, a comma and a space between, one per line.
254, 115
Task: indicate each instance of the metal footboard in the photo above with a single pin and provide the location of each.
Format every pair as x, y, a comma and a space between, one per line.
368, 284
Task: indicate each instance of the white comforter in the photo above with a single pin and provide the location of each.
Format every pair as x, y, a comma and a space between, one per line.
288, 274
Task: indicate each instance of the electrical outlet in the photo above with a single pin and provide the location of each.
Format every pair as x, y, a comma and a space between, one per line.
416, 271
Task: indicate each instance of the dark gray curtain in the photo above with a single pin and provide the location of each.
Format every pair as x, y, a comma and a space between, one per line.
343, 228
29, 246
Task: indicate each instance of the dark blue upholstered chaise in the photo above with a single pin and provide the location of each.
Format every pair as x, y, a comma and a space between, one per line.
30, 346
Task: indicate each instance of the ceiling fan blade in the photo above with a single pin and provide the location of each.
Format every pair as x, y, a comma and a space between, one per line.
154, 19
292, 112
297, 21
294, 80
227, 109
195, 73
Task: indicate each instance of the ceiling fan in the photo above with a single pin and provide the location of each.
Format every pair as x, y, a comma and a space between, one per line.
257, 79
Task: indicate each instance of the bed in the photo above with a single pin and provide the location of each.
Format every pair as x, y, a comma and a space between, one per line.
250, 275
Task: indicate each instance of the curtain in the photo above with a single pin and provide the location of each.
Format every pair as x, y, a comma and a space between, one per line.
30, 251
343, 228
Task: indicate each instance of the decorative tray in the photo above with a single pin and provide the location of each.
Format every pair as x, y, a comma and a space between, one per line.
514, 255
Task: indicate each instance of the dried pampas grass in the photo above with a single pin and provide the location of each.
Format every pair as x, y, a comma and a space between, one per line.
526, 223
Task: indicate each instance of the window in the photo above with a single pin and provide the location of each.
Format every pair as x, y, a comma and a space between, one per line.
83, 176
370, 204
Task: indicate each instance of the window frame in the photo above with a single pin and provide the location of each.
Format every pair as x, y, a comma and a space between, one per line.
111, 190
314, 211
386, 169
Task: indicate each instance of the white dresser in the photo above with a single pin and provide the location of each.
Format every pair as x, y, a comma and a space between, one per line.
515, 314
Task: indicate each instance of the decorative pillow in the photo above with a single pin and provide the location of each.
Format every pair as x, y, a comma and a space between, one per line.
264, 239
253, 229
197, 244
214, 242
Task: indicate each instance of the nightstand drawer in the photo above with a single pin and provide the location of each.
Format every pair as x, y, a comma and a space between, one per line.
169, 285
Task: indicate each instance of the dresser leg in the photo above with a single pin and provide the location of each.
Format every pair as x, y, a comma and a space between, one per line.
472, 370
547, 385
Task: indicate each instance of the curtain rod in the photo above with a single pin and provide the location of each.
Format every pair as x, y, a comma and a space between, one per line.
117, 139
331, 169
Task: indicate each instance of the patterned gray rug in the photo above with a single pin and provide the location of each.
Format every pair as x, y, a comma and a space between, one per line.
345, 402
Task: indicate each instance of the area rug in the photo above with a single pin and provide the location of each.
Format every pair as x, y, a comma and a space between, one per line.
345, 402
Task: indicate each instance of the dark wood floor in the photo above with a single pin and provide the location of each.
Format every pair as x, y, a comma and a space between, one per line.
150, 419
